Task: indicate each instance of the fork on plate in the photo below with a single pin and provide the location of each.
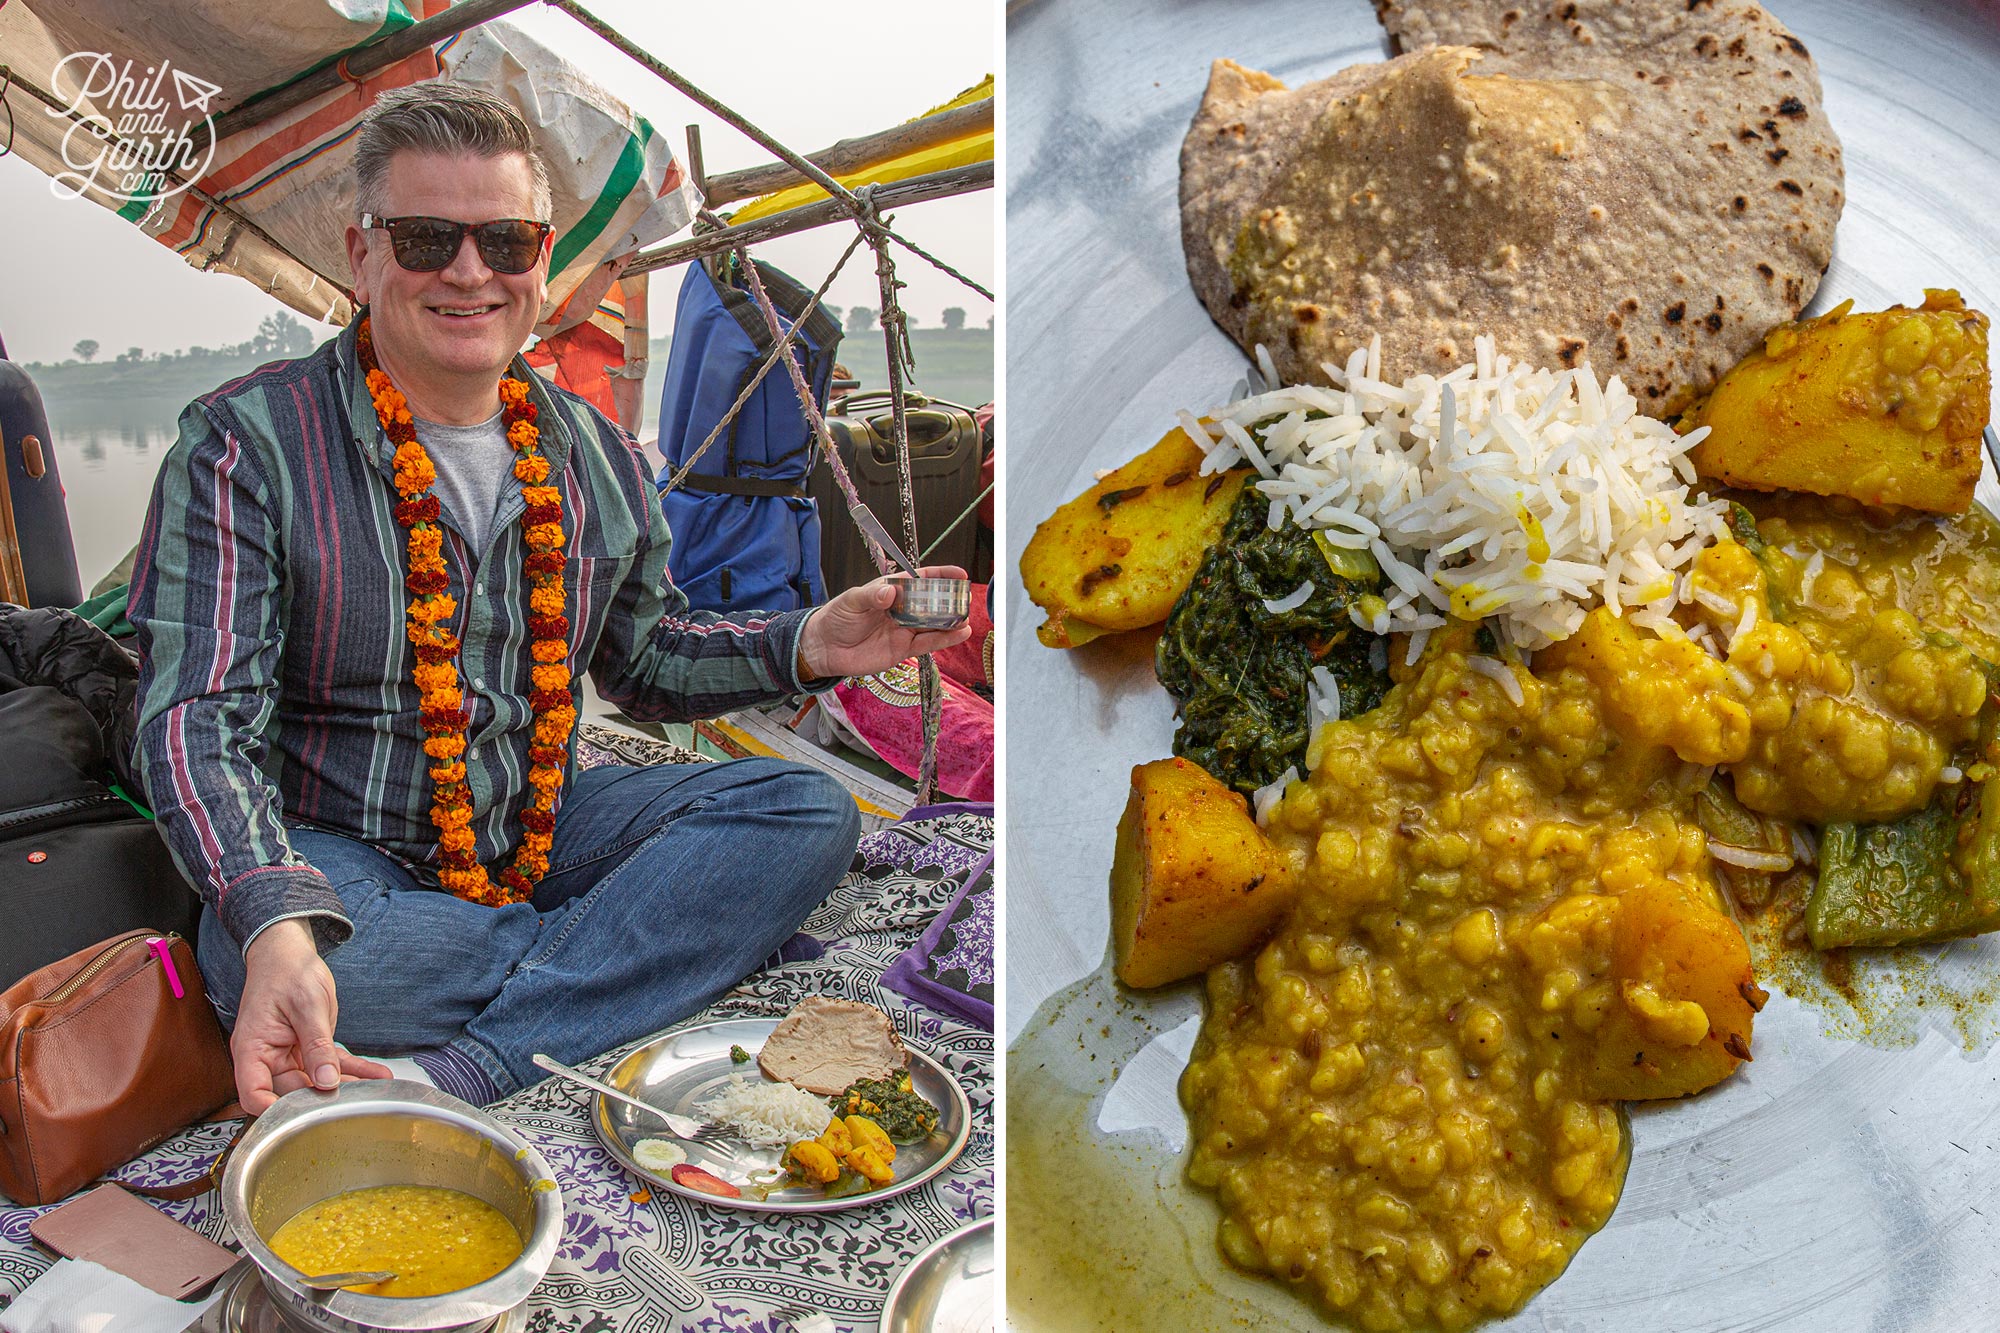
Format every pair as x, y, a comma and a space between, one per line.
680, 1126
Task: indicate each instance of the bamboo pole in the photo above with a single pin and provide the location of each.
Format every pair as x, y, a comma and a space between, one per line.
853, 154
916, 190
741, 123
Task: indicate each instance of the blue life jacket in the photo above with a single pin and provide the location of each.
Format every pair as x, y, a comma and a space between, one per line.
746, 534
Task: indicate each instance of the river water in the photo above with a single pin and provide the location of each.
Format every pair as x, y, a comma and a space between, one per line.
107, 470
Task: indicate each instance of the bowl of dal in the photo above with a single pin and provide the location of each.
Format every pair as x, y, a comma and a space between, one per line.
392, 1175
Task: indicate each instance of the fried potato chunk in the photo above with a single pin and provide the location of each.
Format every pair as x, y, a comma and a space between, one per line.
1886, 408
1682, 997
1119, 555
1194, 881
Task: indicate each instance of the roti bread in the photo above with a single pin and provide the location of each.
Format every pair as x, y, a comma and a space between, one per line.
1647, 187
825, 1046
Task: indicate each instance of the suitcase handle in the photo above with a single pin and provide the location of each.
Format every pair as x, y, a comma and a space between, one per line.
926, 427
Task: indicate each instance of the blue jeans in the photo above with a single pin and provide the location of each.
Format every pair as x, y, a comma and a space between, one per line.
666, 886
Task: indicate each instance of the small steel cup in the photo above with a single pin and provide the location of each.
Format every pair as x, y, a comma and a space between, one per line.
931, 603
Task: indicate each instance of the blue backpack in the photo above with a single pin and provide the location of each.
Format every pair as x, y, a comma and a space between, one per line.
746, 534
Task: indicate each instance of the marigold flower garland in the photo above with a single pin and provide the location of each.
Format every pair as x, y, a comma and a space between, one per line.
445, 717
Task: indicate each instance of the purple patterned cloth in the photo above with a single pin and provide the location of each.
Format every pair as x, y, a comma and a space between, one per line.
950, 968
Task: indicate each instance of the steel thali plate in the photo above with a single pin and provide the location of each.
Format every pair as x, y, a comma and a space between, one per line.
1845, 1179
681, 1069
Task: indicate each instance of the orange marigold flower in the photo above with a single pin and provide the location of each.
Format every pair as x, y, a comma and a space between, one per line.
464, 883
437, 677
533, 469
452, 772
444, 747
546, 600
430, 610
549, 650
513, 390
522, 435
547, 536
541, 495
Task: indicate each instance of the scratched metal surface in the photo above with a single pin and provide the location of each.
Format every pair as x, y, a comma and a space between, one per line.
1834, 1184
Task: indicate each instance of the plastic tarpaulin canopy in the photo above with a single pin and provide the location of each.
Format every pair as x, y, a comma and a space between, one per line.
272, 203
976, 146
746, 535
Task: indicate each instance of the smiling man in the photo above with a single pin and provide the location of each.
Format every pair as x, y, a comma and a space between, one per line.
367, 585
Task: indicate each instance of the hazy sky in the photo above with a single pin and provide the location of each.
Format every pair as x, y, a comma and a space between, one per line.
71, 269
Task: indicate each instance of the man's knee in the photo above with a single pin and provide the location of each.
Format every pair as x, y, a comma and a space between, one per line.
812, 802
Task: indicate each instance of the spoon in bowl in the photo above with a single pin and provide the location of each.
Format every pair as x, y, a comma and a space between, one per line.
335, 1281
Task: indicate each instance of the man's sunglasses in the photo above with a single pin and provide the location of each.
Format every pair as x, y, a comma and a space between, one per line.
425, 245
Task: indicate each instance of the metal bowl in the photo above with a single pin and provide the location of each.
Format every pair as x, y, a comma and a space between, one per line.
313, 1145
931, 603
948, 1288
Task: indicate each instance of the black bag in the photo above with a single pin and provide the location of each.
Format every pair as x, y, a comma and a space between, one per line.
78, 864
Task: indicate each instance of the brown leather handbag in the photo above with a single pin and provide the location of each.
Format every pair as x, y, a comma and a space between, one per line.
103, 1054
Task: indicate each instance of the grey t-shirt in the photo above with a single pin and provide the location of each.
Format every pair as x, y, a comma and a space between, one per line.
475, 466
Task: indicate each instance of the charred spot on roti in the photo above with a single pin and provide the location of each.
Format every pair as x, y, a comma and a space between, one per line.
1791, 187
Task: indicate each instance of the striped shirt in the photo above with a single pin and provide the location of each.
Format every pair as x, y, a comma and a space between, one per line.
275, 676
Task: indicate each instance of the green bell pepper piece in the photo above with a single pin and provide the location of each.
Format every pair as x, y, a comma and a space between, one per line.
1931, 875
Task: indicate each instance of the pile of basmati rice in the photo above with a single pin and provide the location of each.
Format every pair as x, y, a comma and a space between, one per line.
1499, 491
767, 1114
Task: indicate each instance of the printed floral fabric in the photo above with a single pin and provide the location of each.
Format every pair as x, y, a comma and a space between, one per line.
668, 1263
950, 968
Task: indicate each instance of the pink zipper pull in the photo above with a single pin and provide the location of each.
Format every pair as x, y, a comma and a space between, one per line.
164, 950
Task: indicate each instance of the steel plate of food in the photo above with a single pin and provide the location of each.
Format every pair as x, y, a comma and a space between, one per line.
1504, 697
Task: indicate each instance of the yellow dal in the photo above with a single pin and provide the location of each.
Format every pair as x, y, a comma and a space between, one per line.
436, 1240
1390, 1099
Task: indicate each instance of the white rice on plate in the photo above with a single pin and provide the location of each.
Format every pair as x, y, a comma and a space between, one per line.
1502, 492
767, 1114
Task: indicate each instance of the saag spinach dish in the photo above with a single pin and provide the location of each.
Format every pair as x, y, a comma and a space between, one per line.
1240, 661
